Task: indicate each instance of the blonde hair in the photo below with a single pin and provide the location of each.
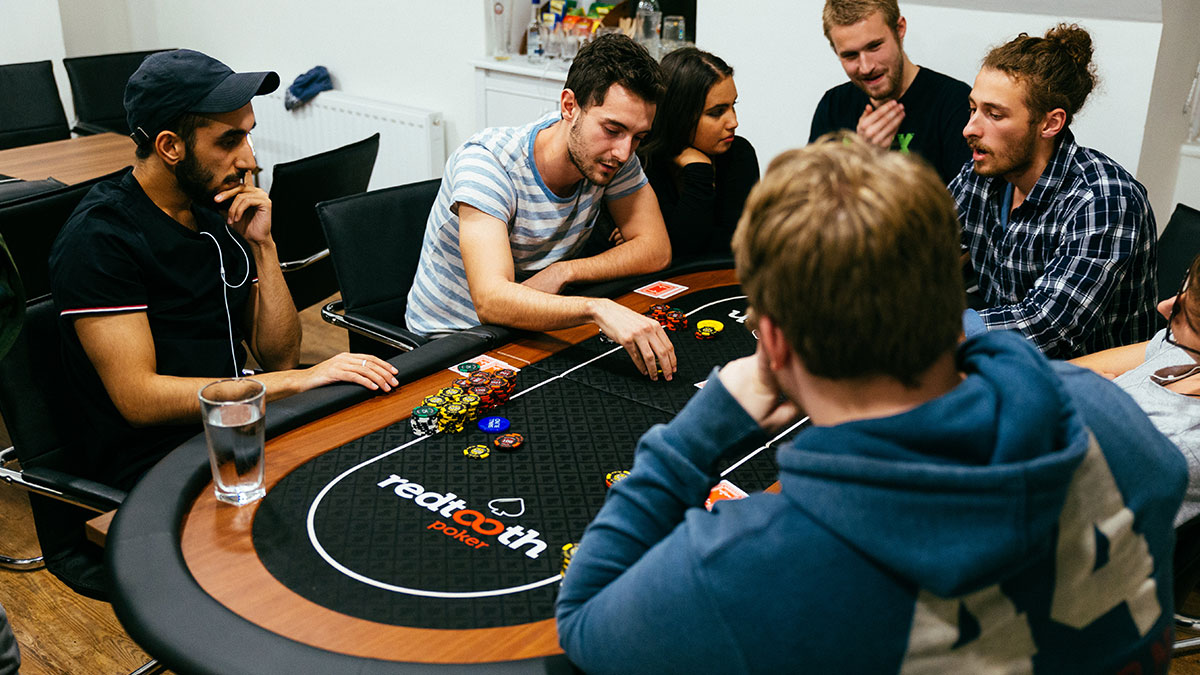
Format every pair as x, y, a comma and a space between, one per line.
850, 12
854, 252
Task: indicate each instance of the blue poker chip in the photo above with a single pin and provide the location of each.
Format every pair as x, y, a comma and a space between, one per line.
494, 425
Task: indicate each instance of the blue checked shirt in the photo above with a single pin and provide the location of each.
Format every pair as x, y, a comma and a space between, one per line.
1074, 270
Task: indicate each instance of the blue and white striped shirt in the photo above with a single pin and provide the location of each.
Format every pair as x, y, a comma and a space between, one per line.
494, 171
1073, 269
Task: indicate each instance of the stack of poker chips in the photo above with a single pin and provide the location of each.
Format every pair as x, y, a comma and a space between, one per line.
424, 420
473, 403
668, 317
493, 389
436, 401
568, 550
452, 417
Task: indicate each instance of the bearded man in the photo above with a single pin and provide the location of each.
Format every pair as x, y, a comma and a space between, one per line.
165, 275
889, 101
1062, 238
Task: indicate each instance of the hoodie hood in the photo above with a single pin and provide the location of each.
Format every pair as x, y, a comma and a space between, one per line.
956, 492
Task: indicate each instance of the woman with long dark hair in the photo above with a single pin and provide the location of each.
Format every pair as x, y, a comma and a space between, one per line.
699, 169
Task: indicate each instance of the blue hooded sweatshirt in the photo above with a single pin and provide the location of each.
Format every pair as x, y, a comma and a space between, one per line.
1020, 523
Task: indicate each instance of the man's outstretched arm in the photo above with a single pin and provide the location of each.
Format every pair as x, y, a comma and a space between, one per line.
121, 348
535, 305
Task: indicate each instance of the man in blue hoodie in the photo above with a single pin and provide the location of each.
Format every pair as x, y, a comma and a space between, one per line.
967, 507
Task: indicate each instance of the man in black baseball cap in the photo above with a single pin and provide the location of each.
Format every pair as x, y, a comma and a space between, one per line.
169, 84
165, 275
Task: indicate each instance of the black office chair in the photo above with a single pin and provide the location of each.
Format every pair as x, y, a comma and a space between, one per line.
30, 110
375, 243
296, 187
31, 401
1177, 247
15, 189
31, 224
98, 90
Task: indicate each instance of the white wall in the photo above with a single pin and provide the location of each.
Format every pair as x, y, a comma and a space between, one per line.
783, 65
403, 52
31, 30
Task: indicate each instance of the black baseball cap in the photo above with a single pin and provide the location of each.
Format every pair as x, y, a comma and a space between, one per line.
169, 84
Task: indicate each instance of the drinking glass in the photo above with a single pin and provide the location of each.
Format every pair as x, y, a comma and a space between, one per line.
234, 424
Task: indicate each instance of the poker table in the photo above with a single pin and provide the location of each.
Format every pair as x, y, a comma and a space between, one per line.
379, 550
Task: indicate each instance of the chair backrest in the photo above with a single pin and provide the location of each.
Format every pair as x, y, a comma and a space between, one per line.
31, 224
296, 188
375, 243
98, 87
30, 109
1177, 247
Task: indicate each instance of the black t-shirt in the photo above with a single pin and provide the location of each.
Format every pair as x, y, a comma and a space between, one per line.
935, 112
701, 203
120, 253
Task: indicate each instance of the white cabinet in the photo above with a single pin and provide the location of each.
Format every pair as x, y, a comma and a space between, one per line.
515, 92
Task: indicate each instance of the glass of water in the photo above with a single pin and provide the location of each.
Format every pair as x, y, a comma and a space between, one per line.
234, 424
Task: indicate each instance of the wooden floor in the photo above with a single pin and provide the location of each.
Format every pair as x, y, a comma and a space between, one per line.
60, 632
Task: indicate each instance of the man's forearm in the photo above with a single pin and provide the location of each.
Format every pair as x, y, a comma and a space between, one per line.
518, 306
636, 256
163, 399
275, 330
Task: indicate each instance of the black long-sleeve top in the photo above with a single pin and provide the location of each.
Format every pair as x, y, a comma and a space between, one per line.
701, 203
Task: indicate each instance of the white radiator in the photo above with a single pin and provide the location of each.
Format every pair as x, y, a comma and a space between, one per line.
411, 141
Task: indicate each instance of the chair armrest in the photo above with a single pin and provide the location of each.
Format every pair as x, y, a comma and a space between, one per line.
69, 488
377, 329
293, 265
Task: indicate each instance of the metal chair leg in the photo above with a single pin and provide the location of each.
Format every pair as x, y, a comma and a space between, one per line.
1186, 646
151, 667
22, 564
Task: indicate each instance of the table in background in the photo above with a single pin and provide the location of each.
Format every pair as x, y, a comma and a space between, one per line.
71, 161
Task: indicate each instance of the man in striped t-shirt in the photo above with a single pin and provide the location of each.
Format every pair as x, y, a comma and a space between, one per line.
517, 205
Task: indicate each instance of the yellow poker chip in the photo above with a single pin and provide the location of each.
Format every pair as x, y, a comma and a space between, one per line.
568, 550
710, 323
613, 476
477, 452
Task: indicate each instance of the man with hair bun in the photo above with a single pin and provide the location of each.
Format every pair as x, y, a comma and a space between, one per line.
1061, 237
972, 507
890, 101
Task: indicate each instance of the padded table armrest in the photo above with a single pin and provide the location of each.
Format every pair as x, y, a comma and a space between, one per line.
87, 493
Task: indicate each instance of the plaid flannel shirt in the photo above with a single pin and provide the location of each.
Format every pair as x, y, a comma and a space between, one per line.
1074, 270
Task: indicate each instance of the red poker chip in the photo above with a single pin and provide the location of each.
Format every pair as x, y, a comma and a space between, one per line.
510, 441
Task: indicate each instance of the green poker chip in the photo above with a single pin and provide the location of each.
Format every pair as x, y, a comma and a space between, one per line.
468, 367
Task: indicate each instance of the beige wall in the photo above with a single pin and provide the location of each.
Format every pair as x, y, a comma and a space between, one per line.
1166, 125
